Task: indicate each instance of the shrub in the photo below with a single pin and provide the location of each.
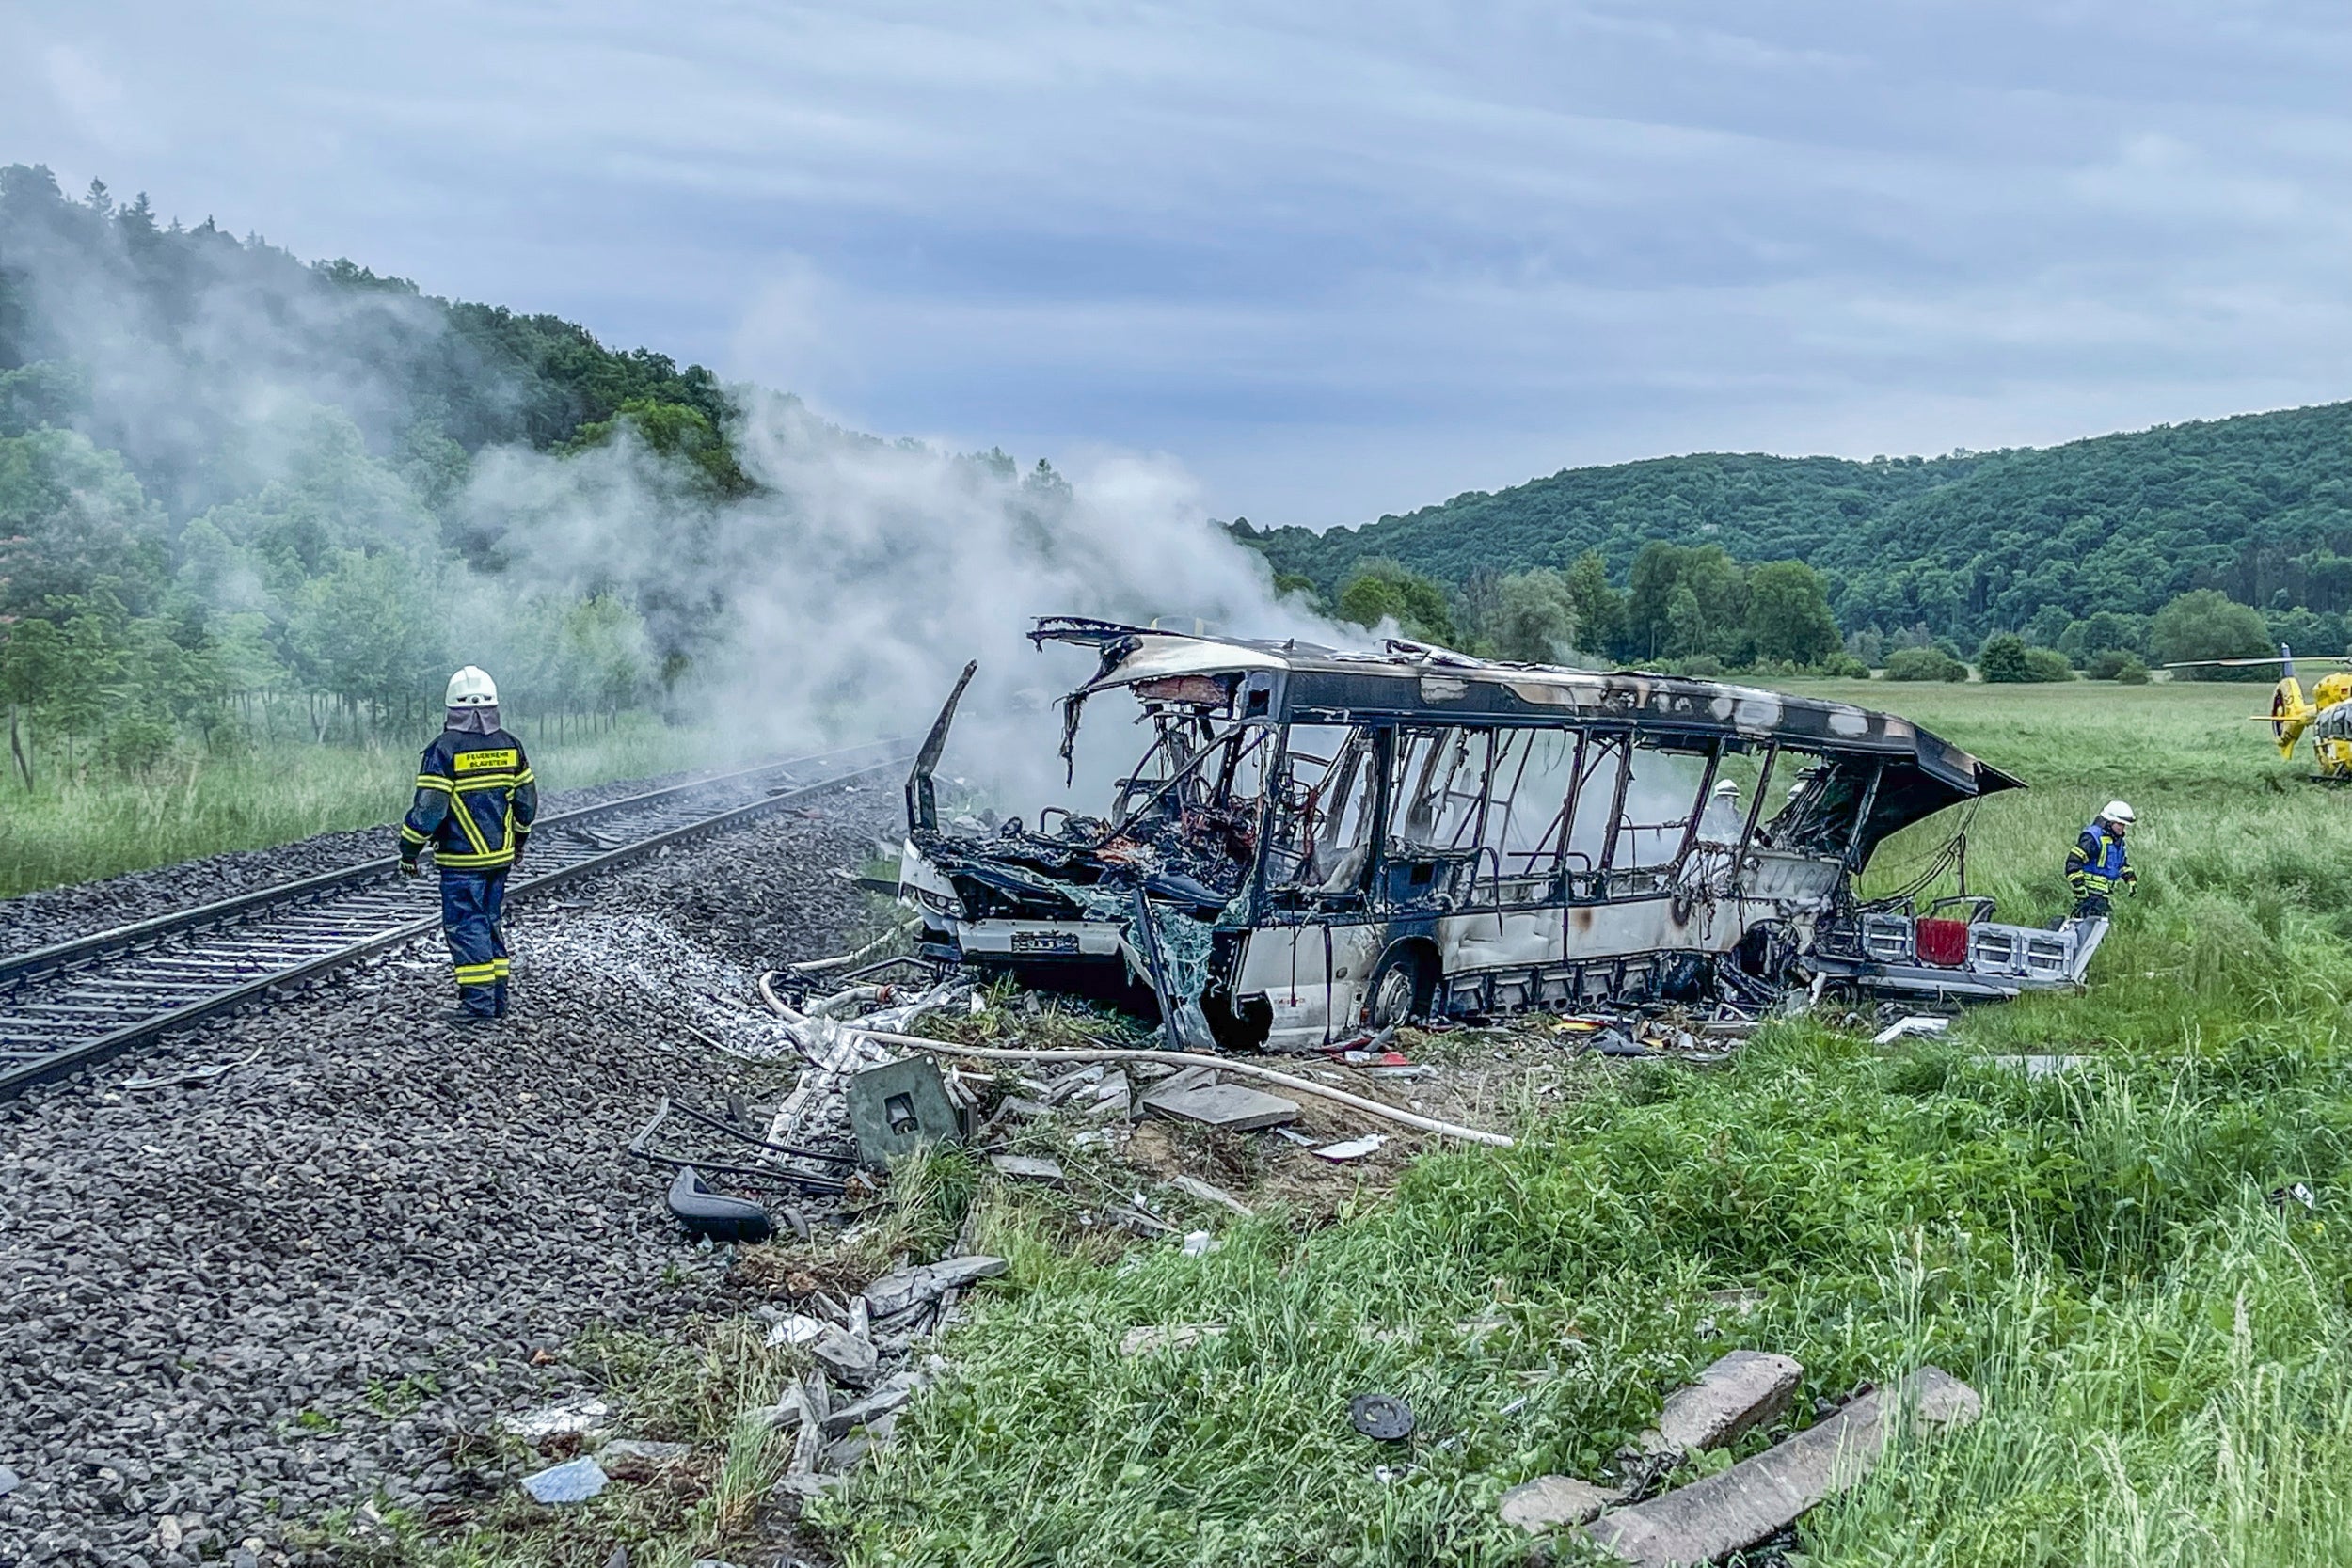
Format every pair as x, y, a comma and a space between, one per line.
2132, 672
2002, 660
2107, 664
2047, 664
1706, 667
1924, 664
1845, 667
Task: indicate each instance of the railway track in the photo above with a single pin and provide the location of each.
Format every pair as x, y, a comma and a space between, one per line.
80, 1002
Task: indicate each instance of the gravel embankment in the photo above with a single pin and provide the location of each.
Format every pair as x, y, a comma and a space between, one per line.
62, 913
242, 1306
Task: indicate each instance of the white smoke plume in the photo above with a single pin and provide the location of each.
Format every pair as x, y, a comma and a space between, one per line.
841, 600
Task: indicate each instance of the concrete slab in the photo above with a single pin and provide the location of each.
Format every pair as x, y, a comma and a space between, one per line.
1226, 1106
1720, 1513
1180, 1081
1554, 1502
1739, 1393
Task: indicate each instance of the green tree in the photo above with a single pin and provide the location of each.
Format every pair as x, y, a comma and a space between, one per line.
2002, 660
1788, 615
368, 632
1534, 617
72, 517
2206, 624
688, 435
1599, 609
1384, 590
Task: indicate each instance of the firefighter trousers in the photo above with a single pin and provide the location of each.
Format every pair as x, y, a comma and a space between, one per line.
471, 903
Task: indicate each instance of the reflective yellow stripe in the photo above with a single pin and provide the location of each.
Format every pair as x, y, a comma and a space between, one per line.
472, 829
473, 863
527, 776
431, 781
503, 967
500, 781
475, 974
410, 836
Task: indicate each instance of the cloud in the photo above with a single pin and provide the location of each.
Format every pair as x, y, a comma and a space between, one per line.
1340, 259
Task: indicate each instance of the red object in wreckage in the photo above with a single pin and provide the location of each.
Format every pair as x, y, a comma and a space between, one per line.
1943, 942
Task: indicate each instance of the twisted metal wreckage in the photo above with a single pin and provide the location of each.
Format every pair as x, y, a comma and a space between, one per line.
1316, 841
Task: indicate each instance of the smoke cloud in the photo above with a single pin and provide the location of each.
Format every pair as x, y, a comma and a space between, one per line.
842, 599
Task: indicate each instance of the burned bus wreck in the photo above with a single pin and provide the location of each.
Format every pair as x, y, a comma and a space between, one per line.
1316, 841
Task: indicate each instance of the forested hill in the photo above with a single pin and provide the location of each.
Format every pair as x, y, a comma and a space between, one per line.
2259, 506
169, 343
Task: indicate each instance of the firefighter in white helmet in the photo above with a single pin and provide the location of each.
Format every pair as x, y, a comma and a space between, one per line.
2097, 864
475, 806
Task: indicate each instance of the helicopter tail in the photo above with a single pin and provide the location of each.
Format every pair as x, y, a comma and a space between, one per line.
2290, 714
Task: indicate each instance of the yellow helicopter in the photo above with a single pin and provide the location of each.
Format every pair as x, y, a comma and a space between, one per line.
2325, 714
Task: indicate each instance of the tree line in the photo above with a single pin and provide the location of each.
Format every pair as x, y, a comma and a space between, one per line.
2257, 509
1694, 611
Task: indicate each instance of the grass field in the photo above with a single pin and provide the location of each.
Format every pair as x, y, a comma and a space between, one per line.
74, 830
2165, 1356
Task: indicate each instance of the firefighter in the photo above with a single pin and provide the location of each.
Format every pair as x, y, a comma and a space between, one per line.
2097, 865
475, 801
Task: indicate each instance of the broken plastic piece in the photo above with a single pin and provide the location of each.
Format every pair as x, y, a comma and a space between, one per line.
1921, 1024
717, 1215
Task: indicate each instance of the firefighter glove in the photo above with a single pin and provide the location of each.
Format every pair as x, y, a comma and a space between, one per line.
410, 868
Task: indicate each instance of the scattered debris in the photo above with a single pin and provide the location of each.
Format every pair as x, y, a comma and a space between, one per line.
2300, 1192
1200, 1243
846, 1356
720, 1216
1023, 1167
796, 1331
896, 1108
1381, 1416
192, 1076
1739, 1506
634, 1458
894, 1293
2039, 1066
1917, 1023
575, 1480
1151, 1339
1192, 1186
1226, 1106
575, 1417
1354, 1149
886, 1400
1555, 1502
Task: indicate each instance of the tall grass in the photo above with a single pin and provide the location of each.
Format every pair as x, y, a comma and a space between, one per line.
2167, 1356
200, 803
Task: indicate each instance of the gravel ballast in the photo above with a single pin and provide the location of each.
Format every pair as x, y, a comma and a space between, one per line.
233, 1308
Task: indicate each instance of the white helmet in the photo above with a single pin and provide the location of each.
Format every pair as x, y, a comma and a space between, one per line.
471, 687
1727, 786
2119, 813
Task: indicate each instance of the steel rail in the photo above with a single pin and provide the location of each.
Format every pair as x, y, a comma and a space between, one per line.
202, 962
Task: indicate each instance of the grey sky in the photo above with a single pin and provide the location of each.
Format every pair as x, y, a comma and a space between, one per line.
1336, 258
